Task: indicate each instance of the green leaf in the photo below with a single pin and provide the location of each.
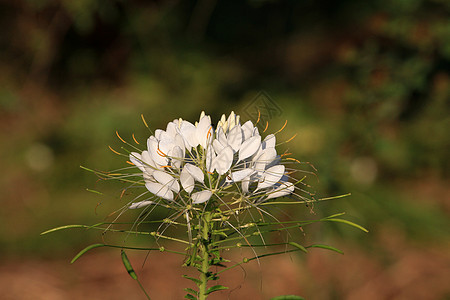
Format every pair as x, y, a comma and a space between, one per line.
193, 257
348, 223
197, 281
335, 215
298, 246
326, 247
86, 250
212, 276
219, 233
190, 297
216, 253
63, 227
215, 289
288, 297
192, 291
128, 266
94, 191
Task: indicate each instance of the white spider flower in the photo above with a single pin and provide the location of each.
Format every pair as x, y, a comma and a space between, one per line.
192, 163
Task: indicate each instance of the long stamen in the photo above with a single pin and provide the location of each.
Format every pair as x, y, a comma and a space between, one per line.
143, 120
259, 117
208, 135
294, 159
285, 123
120, 138
159, 151
134, 138
110, 148
285, 142
162, 167
267, 126
293, 137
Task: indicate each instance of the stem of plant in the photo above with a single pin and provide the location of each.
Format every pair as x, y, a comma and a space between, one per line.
204, 251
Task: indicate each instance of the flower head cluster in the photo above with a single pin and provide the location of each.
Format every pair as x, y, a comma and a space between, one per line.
201, 163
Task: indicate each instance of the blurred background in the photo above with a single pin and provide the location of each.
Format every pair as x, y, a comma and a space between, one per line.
364, 84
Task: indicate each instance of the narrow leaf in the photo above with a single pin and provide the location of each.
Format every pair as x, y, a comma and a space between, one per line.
298, 246
192, 291
326, 247
215, 289
86, 250
349, 223
63, 227
128, 266
190, 297
94, 191
335, 215
219, 233
197, 281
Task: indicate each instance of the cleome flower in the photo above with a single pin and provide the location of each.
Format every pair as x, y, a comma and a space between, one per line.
195, 163
210, 180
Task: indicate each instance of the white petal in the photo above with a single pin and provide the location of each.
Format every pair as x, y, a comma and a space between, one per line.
217, 145
258, 152
269, 141
143, 161
162, 177
140, 204
274, 162
283, 190
249, 147
171, 128
231, 120
221, 123
159, 190
255, 131
179, 141
241, 174
210, 156
175, 186
221, 136
234, 138
147, 160
204, 131
188, 132
158, 133
245, 184
177, 157
136, 159
271, 176
167, 180
195, 171
223, 161
266, 157
187, 181
166, 143
156, 154
247, 129
201, 197
148, 163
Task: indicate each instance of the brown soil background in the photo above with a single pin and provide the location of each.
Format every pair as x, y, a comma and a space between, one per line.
412, 274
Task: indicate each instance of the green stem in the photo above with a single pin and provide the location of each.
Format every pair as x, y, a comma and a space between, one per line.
204, 253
